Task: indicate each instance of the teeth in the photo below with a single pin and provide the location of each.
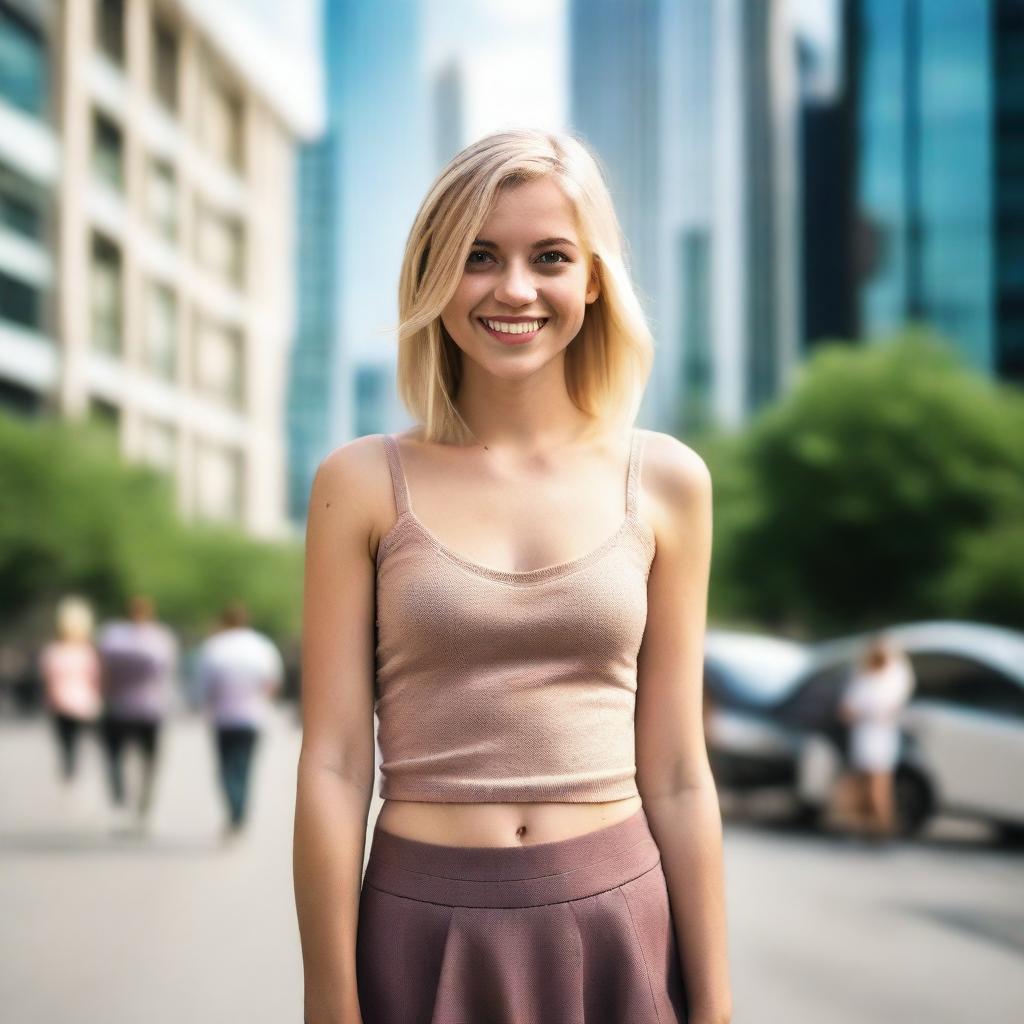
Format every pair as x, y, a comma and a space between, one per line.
506, 328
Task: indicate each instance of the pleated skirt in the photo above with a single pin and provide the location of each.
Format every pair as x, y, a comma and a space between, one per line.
577, 931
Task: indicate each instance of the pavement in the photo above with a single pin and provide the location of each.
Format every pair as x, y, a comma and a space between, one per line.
101, 924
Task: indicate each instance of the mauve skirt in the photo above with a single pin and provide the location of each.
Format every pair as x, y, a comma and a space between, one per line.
577, 931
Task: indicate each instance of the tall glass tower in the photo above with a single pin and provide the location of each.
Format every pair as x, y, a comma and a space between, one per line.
941, 173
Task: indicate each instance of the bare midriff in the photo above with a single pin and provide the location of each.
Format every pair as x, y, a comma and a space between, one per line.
497, 824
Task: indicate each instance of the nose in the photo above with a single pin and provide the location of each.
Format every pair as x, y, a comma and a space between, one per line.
516, 286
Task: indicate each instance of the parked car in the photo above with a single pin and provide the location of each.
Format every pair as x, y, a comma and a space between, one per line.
745, 676
963, 730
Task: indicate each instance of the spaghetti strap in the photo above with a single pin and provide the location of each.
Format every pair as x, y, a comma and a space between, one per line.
633, 482
397, 474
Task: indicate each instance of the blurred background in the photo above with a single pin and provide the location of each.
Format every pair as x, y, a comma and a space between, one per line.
202, 214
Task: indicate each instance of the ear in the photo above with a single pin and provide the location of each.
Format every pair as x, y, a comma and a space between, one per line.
594, 284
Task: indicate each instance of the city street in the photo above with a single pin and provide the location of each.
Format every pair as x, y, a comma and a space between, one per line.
113, 929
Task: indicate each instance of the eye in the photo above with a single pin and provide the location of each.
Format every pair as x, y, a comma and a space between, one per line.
562, 257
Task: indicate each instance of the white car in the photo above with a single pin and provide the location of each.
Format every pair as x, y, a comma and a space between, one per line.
963, 730
745, 675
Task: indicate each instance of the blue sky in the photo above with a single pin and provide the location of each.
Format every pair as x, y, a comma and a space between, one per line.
514, 55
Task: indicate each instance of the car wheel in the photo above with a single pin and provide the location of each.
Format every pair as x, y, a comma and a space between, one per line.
913, 803
805, 815
1008, 834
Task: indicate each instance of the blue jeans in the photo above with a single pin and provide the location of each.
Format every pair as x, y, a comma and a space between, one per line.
235, 746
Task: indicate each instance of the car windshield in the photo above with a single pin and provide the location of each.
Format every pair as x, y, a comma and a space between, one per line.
759, 670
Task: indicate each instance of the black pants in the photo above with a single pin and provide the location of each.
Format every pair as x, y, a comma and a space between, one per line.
235, 746
118, 733
68, 729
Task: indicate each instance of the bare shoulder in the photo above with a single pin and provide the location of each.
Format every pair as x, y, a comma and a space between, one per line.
674, 474
352, 486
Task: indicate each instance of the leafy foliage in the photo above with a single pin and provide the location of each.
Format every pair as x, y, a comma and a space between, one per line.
75, 518
888, 484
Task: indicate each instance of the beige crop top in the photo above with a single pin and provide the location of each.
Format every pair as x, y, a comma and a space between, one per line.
497, 686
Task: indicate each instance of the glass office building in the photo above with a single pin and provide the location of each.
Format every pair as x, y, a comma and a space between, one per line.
942, 173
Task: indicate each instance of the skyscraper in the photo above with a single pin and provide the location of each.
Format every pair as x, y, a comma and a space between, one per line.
167, 158
941, 178
691, 106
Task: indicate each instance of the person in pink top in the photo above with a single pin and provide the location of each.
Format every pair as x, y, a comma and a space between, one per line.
70, 671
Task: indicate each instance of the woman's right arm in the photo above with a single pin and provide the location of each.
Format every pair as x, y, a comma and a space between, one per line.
336, 764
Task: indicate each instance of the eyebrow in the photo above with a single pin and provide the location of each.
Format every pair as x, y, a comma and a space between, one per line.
536, 245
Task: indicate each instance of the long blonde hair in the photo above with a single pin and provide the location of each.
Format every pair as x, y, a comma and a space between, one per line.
606, 365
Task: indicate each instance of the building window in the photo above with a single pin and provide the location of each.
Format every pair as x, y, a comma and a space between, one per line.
107, 151
221, 123
162, 198
19, 400
20, 303
106, 289
160, 445
165, 65
110, 29
219, 482
161, 345
105, 415
23, 63
218, 362
21, 205
220, 244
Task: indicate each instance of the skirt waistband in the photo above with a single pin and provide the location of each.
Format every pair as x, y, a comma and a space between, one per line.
513, 876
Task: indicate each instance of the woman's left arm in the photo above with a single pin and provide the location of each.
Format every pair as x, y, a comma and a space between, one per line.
673, 772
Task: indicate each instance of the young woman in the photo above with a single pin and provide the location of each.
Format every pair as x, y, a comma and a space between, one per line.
517, 586
871, 705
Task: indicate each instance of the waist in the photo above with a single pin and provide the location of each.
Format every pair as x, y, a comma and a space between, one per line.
496, 824
524, 876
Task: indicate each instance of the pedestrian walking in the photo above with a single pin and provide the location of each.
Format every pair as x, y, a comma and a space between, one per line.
139, 656
872, 702
238, 670
517, 586
70, 670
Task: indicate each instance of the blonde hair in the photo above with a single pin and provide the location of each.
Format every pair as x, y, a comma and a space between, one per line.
606, 365
74, 618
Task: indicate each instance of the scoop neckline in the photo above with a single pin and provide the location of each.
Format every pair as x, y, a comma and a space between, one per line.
508, 575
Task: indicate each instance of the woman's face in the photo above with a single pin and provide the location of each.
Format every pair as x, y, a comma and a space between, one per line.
526, 265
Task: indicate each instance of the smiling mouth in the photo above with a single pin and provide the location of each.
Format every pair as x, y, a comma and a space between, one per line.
513, 329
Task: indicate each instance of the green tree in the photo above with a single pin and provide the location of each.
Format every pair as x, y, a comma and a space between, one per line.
74, 517
887, 484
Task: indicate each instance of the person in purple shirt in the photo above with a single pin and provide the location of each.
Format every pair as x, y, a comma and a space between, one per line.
139, 657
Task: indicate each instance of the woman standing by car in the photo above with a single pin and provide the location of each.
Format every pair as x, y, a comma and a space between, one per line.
871, 704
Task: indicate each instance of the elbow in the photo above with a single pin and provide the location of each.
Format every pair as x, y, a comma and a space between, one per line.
358, 772
679, 781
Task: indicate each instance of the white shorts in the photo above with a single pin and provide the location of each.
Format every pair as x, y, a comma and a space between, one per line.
874, 747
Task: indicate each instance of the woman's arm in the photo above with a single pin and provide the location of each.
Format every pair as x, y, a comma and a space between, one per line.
336, 763
673, 772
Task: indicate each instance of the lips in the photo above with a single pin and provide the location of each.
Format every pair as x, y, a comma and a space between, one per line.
513, 338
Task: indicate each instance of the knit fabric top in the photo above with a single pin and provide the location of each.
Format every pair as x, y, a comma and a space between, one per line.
496, 686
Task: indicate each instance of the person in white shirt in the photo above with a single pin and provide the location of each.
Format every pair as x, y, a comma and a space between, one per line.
237, 672
872, 702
